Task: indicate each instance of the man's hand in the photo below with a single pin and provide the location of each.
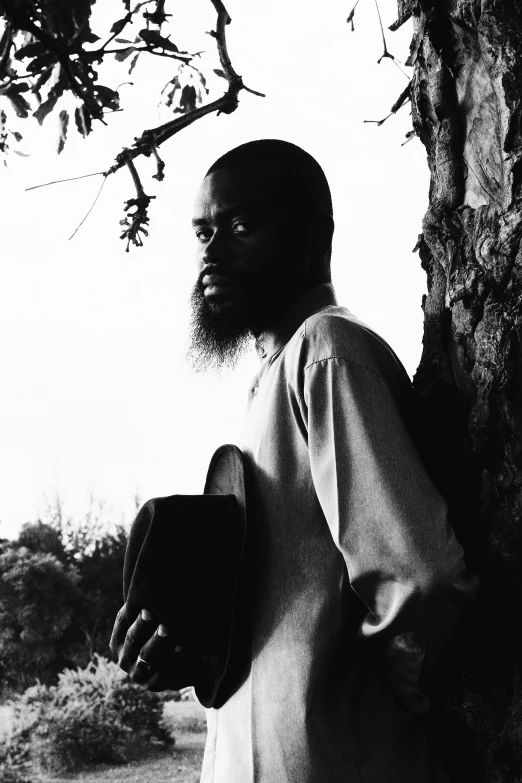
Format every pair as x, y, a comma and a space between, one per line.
145, 650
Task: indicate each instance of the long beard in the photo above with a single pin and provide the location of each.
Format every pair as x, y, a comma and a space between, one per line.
216, 340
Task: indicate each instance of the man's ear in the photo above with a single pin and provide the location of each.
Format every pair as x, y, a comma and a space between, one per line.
320, 233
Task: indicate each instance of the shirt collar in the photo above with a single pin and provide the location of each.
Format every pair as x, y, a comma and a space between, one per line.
311, 301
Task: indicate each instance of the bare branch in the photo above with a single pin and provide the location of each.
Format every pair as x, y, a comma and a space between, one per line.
185, 58
403, 16
386, 53
136, 221
92, 206
351, 16
69, 179
401, 100
160, 166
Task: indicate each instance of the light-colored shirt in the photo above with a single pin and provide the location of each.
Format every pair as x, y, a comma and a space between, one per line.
358, 576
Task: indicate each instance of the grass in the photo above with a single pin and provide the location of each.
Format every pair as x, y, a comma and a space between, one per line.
180, 765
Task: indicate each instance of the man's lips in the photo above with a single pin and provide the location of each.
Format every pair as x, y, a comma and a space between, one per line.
215, 284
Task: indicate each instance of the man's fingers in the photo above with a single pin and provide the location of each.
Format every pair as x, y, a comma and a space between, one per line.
137, 635
121, 626
155, 655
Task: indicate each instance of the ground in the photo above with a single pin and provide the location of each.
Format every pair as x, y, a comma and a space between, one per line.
181, 765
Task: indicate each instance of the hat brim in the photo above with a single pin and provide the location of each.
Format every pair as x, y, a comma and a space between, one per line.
226, 475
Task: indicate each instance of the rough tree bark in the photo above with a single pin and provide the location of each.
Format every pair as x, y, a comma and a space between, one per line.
467, 110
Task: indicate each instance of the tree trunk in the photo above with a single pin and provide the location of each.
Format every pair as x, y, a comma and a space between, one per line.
466, 107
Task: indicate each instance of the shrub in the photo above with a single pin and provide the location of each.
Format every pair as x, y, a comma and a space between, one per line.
92, 715
10, 770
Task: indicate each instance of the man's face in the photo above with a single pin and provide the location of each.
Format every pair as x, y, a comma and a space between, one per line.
246, 249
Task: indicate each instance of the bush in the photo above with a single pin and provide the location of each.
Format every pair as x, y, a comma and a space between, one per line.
92, 715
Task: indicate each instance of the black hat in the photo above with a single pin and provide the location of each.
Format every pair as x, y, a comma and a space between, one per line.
184, 561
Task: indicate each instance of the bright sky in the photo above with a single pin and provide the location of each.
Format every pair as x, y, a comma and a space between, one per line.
96, 396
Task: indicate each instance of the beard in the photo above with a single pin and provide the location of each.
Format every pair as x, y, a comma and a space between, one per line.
216, 340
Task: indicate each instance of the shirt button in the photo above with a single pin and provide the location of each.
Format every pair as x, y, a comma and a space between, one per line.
255, 389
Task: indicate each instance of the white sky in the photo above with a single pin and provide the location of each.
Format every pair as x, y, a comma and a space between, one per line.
96, 396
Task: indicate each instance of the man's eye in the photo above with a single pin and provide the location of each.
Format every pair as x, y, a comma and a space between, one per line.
241, 226
203, 234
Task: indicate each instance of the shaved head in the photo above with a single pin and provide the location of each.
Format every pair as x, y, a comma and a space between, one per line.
301, 182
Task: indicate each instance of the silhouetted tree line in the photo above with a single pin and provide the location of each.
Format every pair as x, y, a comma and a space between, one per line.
60, 589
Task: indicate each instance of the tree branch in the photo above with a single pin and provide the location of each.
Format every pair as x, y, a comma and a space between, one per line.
401, 100
135, 222
226, 104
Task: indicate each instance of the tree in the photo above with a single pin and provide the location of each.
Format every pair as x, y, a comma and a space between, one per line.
60, 590
38, 604
39, 537
467, 112
93, 550
465, 96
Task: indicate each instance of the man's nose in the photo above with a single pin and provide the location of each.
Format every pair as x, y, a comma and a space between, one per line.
214, 250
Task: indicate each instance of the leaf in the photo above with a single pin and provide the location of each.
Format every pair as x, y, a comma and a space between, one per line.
118, 26
83, 120
91, 38
156, 17
219, 72
63, 118
108, 97
22, 154
133, 62
18, 136
42, 61
153, 38
124, 53
44, 76
169, 97
18, 102
188, 99
48, 105
123, 40
30, 50
203, 82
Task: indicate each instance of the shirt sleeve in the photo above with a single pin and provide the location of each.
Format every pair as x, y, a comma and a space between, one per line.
389, 522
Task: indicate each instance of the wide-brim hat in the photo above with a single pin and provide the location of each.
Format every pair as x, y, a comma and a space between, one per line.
185, 563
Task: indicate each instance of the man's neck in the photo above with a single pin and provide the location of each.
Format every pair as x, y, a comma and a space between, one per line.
283, 325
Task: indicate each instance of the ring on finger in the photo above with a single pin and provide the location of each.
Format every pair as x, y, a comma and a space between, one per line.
143, 664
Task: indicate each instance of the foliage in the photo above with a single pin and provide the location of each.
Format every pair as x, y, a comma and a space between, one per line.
10, 774
100, 583
38, 601
92, 715
50, 57
39, 537
95, 547
60, 593
48, 52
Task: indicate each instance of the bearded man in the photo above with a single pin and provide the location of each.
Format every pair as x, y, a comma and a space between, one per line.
358, 576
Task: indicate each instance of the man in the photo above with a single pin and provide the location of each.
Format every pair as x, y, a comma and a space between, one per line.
358, 576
